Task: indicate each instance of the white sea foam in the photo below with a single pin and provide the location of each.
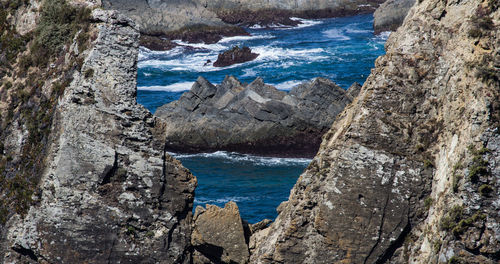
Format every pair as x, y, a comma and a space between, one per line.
288, 85
276, 53
244, 38
238, 157
336, 33
203, 200
214, 47
176, 87
306, 22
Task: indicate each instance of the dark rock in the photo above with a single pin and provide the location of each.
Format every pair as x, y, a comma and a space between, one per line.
156, 43
256, 118
219, 235
354, 90
234, 56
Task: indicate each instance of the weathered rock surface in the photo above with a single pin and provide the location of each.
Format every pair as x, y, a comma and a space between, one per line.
108, 192
234, 56
254, 118
219, 235
394, 180
391, 14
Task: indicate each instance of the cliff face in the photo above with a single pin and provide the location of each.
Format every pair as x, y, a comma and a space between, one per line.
162, 16
410, 171
391, 14
103, 189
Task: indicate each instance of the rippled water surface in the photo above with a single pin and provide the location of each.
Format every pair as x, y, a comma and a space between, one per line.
341, 49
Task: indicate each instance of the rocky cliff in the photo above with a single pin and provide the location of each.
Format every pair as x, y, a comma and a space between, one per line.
84, 175
409, 172
252, 118
179, 19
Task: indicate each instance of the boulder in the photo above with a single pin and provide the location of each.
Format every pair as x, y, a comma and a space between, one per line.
254, 118
391, 14
234, 56
219, 235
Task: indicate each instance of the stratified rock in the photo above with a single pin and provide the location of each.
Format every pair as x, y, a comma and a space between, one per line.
409, 172
353, 90
256, 118
219, 235
234, 56
108, 193
391, 14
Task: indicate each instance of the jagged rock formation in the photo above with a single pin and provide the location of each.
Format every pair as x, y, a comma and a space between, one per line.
200, 20
254, 118
219, 235
391, 14
106, 191
394, 180
234, 56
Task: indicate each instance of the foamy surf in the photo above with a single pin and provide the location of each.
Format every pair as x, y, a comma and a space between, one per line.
238, 157
176, 87
336, 33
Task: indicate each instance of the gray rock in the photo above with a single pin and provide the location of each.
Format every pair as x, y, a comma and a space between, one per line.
256, 118
353, 90
219, 235
108, 192
161, 16
398, 177
391, 14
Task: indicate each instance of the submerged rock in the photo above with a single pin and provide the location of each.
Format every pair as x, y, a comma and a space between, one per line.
391, 14
254, 118
234, 56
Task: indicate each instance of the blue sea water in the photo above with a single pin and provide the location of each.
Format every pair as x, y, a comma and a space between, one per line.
341, 49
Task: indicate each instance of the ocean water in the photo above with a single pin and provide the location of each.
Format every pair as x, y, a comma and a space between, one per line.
341, 49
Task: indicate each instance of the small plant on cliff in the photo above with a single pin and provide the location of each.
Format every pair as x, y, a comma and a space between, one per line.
485, 190
479, 166
428, 203
59, 22
452, 218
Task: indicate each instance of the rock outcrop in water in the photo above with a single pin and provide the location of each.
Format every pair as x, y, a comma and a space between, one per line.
391, 14
234, 56
408, 173
84, 175
254, 118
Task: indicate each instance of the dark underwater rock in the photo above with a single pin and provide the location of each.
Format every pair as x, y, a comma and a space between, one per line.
254, 118
234, 56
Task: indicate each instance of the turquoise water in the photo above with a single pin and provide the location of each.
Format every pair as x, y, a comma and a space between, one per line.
341, 49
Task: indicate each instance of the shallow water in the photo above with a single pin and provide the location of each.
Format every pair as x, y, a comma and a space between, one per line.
341, 49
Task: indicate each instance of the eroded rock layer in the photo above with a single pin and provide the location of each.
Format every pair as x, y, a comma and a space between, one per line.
409, 172
252, 118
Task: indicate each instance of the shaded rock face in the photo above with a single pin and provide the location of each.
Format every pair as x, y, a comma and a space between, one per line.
234, 56
108, 193
219, 235
391, 14
394, 180
254, 118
